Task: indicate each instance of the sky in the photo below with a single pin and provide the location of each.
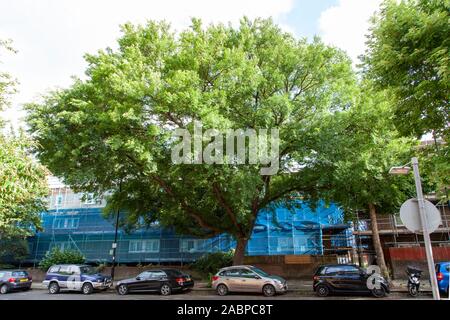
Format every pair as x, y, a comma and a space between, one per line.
51, 36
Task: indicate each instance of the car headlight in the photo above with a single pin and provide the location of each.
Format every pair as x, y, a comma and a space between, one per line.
98, 280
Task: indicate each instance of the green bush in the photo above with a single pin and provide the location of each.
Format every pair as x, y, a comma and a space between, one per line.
210, 263
58, 256
13, 251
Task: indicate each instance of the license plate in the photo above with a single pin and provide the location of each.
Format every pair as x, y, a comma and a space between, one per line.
23, 280
188, 279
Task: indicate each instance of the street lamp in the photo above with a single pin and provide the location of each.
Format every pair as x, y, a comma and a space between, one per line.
403, 170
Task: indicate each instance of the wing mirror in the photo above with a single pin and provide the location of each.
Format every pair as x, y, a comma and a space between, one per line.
138, 278
256, 277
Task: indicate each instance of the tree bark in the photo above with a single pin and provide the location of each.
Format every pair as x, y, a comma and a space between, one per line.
376, 241
239, 253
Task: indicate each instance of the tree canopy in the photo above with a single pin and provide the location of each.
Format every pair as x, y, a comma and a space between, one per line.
115, 128
22, 180
408, 54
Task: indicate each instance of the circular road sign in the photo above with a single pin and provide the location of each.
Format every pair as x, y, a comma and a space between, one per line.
409, 214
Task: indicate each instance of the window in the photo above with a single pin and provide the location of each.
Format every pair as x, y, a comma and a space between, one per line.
285, 243
66, 223
333, 270
245, 273
64, 270
398, 221
137, 246
20, 274
59, 200
53, 269
349, 269
89, 198
193, 245
232, 273
157, 274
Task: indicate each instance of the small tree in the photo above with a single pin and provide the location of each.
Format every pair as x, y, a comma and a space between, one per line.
13, 250
58, 256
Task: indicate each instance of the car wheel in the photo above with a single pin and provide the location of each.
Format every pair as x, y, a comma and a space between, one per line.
87, 288
322, 290
379, 293
53, 288
122, 289
268, 290
4, 289
222, 290
165, 290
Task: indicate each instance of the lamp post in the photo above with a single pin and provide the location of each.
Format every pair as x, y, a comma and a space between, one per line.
114, 245
423, 218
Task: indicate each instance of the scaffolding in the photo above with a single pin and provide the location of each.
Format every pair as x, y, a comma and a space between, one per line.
302, 232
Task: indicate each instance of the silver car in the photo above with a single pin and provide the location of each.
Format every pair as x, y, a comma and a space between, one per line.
247, 279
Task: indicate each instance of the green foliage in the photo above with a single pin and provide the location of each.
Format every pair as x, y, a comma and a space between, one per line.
409, 55
208, 264
7, 83
23, 188
115, 127
364, 144
13, 250
22, 180
58, 256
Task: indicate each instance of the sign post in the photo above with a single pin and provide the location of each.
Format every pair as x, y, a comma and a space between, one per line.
426, 232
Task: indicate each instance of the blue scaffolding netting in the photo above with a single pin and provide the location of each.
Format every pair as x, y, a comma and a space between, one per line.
278, 232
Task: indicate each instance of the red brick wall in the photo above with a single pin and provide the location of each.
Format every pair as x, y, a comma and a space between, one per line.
400, 258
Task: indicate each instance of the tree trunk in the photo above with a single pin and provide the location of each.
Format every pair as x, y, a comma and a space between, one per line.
239, 253
376, 241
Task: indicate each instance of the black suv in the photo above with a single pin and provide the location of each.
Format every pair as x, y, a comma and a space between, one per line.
347, 278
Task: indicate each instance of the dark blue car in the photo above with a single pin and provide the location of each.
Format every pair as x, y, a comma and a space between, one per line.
442, 275
75, 277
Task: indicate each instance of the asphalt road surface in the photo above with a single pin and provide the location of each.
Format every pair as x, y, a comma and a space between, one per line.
38, 294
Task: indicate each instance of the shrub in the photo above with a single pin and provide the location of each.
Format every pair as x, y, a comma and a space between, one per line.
58, 256
13, 251
210, 263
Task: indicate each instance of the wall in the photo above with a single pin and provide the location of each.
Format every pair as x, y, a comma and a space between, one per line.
400, 258
291, 266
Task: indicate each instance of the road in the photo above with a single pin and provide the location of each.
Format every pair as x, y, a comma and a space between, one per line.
38, 294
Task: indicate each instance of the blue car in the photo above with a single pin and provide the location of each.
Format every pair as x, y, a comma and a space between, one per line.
442, 275
75, 277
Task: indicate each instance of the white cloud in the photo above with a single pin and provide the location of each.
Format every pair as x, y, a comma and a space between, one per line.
346, 24
53, 35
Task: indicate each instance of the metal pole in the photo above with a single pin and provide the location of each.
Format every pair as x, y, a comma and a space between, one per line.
114, 245
426, 234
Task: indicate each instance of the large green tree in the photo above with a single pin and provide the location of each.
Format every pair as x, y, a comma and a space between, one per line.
112, 131
22, 180
408, 53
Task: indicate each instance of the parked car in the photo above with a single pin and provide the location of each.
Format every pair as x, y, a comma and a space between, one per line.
75, 277
346, 278
12, 280
443, 275
164, 281
247, 279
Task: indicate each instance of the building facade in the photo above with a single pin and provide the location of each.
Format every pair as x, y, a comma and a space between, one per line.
76, 221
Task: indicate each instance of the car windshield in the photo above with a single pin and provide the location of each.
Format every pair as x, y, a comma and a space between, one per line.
88, 270
259, 271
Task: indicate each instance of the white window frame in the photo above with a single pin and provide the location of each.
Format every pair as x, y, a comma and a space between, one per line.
67, 223
197, 245
144, 246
